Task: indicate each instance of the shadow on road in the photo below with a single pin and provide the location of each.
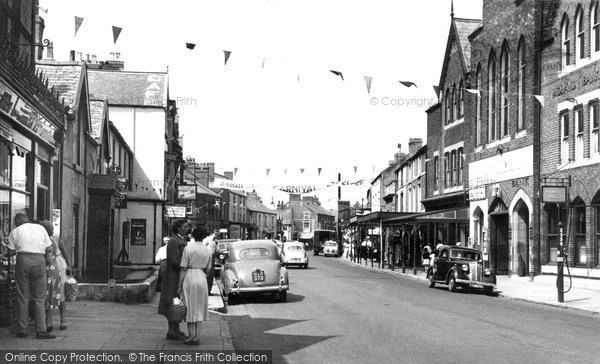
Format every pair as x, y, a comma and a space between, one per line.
257, 334
265, 299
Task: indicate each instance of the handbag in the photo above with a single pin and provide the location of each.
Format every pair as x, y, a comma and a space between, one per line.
71, 289
177, 311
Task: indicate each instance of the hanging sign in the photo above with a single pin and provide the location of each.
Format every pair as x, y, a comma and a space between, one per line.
186, 192
175, 211
554, 194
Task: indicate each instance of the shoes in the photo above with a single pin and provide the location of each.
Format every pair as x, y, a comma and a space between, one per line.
63, 327
191, 341
176, 336
44, 335
49, 329
21, 334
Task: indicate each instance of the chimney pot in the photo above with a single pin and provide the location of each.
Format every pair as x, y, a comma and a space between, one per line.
72, 56
50, 51
80, 56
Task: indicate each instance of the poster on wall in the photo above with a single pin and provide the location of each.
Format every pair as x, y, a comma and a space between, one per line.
138, 232
186, 192
56, 221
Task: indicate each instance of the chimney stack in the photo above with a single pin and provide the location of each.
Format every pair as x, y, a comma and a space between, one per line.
414, 144
39, 36
94, 59
72, 56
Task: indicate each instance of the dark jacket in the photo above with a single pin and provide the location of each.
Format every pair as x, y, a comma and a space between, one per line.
170, 281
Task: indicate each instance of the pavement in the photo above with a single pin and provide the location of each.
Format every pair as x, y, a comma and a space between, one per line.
102, 325
584, 293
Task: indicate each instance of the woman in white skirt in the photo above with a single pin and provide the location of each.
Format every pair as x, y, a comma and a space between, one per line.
195, 265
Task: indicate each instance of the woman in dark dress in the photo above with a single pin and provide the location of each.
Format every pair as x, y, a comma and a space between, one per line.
170, 281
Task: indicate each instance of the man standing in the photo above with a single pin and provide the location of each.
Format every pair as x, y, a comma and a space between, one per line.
211, 244
31, 243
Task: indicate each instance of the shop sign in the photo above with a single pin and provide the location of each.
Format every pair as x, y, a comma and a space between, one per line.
138, 231
554, 194
476, 194
175, 211
186, 192
25, 114
306, 235
234, 232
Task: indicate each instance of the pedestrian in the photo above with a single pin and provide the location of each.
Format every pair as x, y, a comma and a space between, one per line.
426, 257
161, 259
195, 265
56, 272
30, 242
346, 249
170, 282
211, 244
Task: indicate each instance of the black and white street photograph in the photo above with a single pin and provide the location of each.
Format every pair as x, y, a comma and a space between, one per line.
286, 181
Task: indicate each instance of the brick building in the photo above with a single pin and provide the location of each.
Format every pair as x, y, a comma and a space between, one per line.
503, 111
569, 133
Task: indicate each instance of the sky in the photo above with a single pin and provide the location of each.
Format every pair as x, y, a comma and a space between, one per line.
292, 113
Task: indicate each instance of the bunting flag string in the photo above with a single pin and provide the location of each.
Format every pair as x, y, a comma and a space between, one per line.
116, 32
268, 170
355, 167
437, 91
235, 171
408, 83
301, 170
285, 171
319, 170
337, 73
368, 80
78, 21
227, 54
190, 46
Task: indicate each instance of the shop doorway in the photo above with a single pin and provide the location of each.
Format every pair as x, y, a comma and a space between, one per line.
521, 239
478, 228
499, 237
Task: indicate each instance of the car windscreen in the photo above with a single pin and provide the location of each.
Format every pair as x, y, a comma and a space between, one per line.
464, 254
223, 246
255, 253
293, 247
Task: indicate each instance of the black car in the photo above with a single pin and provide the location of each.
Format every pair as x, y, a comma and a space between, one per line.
460, 267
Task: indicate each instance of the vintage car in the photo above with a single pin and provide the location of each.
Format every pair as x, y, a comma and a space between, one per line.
460, 267
293, 253
330, 248
252, 267
222, 251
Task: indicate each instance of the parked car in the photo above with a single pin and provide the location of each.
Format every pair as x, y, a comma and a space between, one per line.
331, 249
251, 267
222, 251
293, 253
460, 267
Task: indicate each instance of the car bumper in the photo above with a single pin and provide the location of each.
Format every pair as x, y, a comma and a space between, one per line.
472, 284
295, 262
238, 290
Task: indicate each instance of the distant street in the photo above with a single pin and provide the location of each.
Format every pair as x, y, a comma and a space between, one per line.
338, 313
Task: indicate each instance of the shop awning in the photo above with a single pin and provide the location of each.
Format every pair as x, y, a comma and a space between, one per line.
460, 215
375, 217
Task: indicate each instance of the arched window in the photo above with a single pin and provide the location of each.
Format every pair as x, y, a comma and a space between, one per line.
564, 136
448, 106
580, 31
461, 100
504, 87
580, 249
492, 97
478, 106
459, 157
521, 86
595, 28
565, 41
454, 114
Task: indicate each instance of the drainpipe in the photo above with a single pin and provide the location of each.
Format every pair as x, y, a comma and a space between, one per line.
535, 250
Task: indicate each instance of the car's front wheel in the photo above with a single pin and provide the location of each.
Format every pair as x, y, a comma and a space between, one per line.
452, 284
431, 281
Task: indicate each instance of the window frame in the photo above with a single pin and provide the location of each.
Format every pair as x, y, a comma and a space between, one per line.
492, 122
580, 34
565, 42
594, 115
504, 91
521, 86
564, 136
595, 29
579, 124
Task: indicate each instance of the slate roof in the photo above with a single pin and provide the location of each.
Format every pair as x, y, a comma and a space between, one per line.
255, 205
318, 209
203, 190
97, 115
65, 77
464, 28
129, 88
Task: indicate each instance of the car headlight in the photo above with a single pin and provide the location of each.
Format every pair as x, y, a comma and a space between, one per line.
465, 267
487, 271
221, 256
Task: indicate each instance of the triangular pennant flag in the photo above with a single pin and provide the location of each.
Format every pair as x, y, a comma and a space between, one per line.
337, 73
472, 91
227, 54
408, 83
301, 170
268, 170
235, 171
355, 167
78, 21
437, 91
298, 78
285, 171
45, 10
368, 80
263, 62
540, 99
319, 170
373, 168
116, 33
190, 46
